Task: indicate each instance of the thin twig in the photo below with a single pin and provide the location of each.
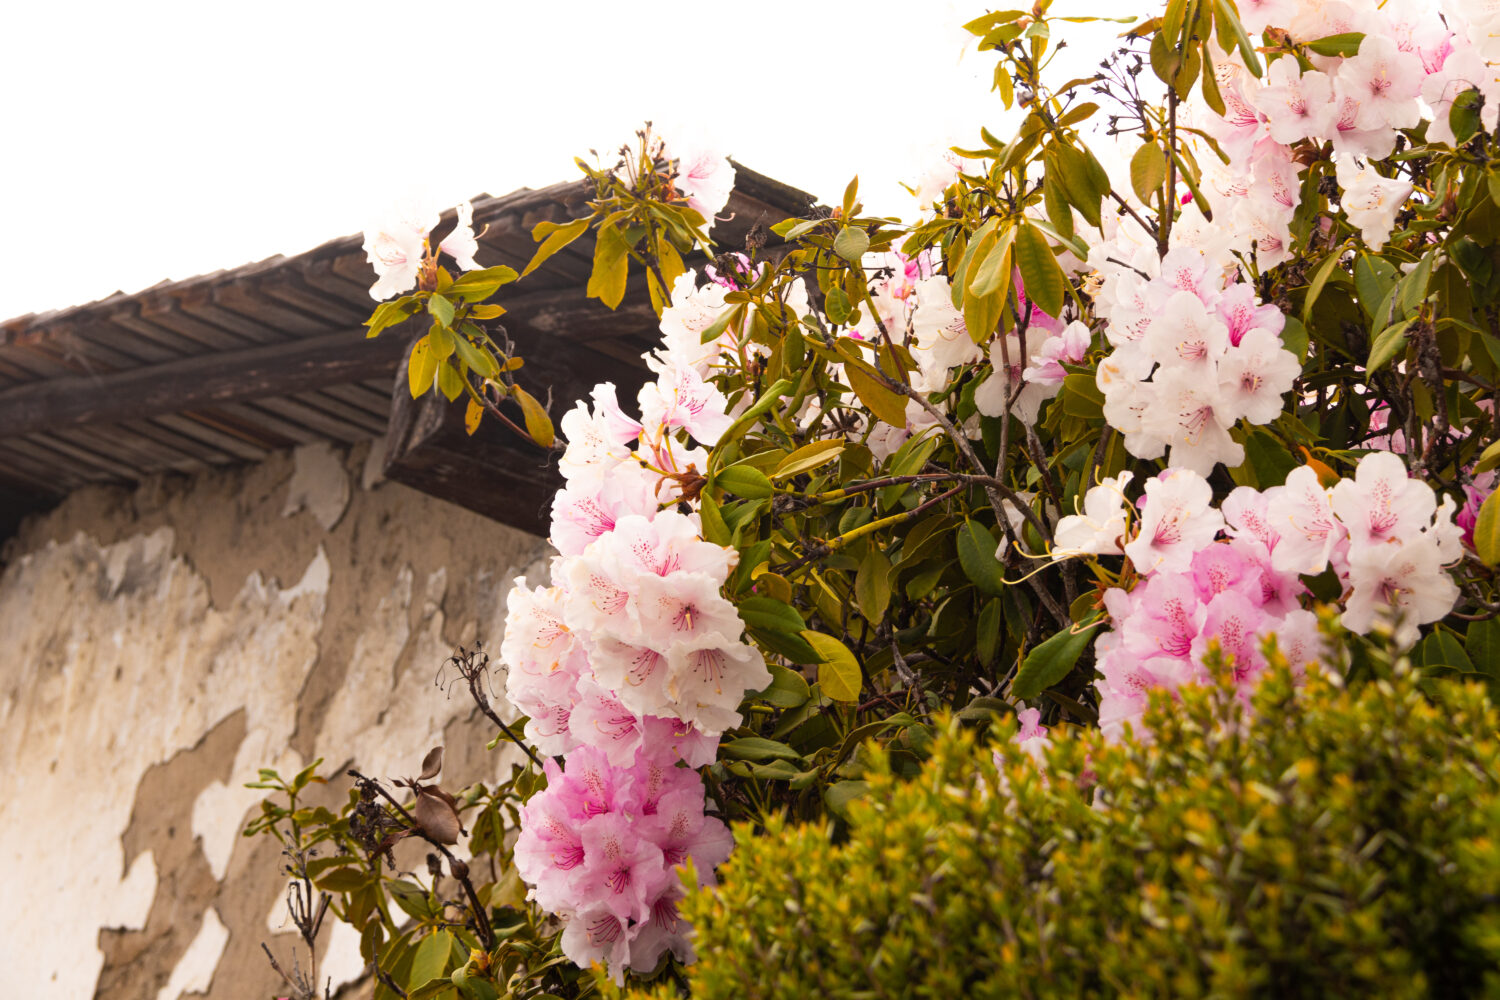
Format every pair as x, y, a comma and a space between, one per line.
998, 494
456, 868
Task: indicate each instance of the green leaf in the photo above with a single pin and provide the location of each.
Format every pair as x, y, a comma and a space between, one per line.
840, 794
1056, 203
1482, 643
1224, 13
343, 880
744, 481
554, 237
757, 748
1148, 172
976, 554
1390, 341
1442, 649
411, 897
1049, 662
714, 528
1487, 531
836, 304
1346, 44
769, 613
441, 309
472, 286
1294, 337
987, 632
1045, 283
872, 585
1463, 116
792, 646
809, 456
390, 313
538, 424
431, 960
838, 671
1319, 280
788, 688
479, 359
1080, 397
435, 989
1373, 278
852, 244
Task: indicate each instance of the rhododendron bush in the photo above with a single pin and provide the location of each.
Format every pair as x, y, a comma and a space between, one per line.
1203, 346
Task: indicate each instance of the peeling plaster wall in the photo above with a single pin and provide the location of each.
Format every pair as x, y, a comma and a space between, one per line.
158, 645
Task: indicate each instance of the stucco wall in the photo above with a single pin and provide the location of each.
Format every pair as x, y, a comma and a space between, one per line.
158, 645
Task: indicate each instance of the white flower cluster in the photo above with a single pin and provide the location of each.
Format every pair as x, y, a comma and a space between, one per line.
1191, 355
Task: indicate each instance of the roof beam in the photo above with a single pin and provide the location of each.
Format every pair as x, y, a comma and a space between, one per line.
204, 380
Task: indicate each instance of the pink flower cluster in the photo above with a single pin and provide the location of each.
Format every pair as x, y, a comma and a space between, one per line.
632, 664
1192, 356
600, 846
1232, 575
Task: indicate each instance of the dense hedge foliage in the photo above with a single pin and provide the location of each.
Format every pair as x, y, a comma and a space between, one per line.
1335, 843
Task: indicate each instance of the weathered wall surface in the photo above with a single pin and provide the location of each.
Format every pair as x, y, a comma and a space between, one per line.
157, 646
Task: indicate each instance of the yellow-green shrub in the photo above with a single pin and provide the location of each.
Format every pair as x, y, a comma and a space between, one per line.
1333, 844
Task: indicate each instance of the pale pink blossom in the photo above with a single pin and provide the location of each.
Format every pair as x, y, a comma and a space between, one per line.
1100, 529
1177, 519
461, 244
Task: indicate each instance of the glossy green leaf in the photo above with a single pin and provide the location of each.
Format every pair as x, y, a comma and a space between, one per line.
1387, 345
744, 481
757, 748
976, 554
1049, 662
431, 960
769, 613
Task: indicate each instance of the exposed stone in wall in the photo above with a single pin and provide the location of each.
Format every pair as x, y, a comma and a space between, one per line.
158, 645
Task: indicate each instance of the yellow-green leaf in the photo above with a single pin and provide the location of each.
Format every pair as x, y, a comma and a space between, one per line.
1045, 283
449, 382
538, 424
421, 366
872, 585
838, 671
611, 267
1389, 342
852, 244
431, 960
1487, 531
554, 237
883, 401
1148, 172
809, 456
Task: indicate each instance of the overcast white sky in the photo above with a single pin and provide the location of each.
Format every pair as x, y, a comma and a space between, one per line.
147, 141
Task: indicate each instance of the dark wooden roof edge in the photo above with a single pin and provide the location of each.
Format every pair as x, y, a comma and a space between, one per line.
569, 196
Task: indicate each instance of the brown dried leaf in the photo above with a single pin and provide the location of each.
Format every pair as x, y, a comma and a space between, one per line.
431, 764
436, 816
